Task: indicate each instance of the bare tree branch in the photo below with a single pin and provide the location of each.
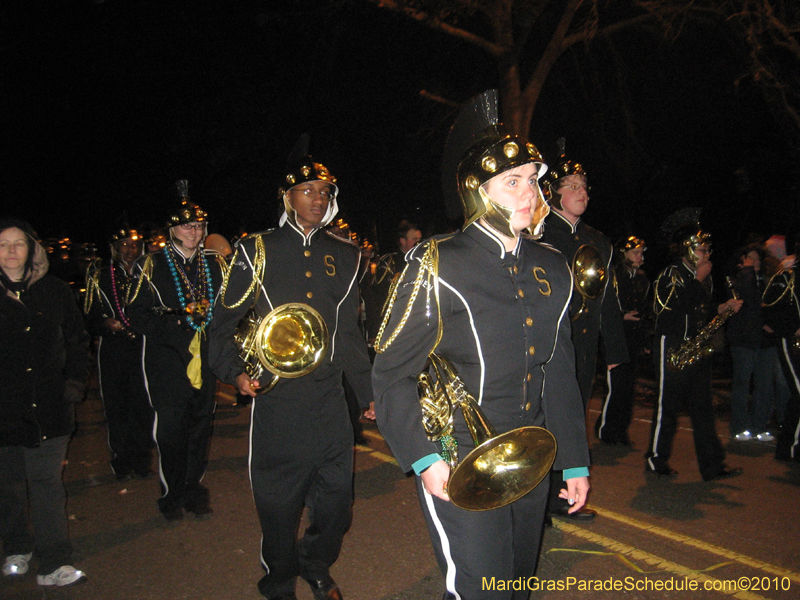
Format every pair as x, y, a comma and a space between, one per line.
436, 24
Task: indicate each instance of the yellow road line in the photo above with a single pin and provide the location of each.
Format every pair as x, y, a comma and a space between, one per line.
379, 455
633, 552
651, 559
718, 550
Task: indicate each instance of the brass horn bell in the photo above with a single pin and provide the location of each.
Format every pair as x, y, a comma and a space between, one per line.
290, 341
590, 275
501, 468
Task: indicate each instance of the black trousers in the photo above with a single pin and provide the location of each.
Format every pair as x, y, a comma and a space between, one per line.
788, 446
615, 418
182, 428
300, 456
472, 547
31, 484
129, 416
692, 386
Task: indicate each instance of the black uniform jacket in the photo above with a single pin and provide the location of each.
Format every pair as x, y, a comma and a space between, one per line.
103, 305
506, 330
602, 315
633, 291
687, 304
43, 344
320, 270
375, 289
155, 309
782, 310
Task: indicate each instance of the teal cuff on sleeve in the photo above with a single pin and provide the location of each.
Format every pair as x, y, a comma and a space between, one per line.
425, 462
576, 472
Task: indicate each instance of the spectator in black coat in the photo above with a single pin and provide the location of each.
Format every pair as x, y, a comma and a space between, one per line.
44, 363
753, 351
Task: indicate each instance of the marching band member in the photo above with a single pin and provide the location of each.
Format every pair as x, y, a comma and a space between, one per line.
301, 444
171, 305
682, 302
782, 316
495, 303
594, 316
633, 289
378, 284
129, 416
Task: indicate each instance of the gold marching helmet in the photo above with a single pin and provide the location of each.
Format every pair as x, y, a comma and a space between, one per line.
301, 168
564, 169
187, 211
478, 148
630, 243
684, 234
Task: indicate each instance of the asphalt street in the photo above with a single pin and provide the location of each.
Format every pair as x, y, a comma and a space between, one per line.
653, 539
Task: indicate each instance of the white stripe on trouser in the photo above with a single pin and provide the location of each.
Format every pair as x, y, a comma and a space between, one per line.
660, 403
796, 382
450, 576
155, 419
250, 473
605, 405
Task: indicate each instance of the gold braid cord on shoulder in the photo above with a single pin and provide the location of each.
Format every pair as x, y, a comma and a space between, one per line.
224, 267
428, 273
92, 285
146, 273
660, 306
384, 270
259, 266
788, 290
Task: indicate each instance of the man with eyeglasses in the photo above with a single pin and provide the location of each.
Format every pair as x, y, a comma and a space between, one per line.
301, 451
171, 304
593, 317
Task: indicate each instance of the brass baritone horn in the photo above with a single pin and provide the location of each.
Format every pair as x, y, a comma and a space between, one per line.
289, 342
501, 468
590, 275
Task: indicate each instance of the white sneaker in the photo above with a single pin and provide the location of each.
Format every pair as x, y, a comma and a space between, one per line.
765, 436
62, 577
16, 564
744, 436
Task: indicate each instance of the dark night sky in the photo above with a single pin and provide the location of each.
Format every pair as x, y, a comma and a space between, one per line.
106, 104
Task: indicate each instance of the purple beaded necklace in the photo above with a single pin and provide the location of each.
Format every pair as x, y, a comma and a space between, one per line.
123, 319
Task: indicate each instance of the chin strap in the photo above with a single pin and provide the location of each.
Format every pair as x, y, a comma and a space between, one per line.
499, 217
